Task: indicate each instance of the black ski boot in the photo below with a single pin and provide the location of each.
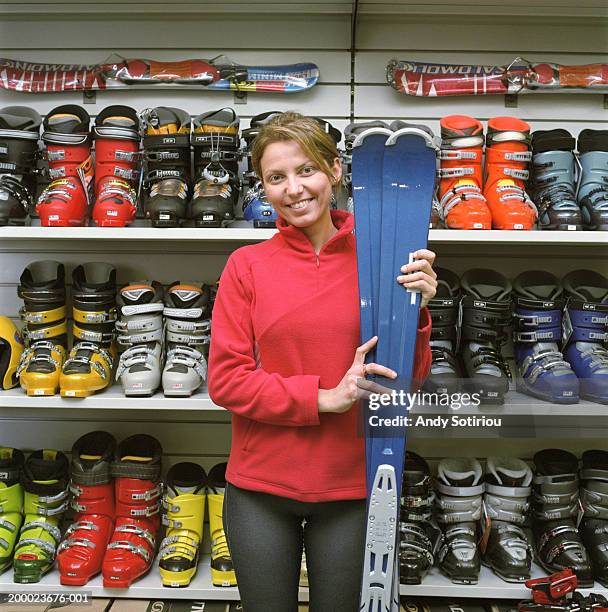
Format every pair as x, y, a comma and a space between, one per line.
215, 138
541, 369
486, 317
445, 373
167, 165
419, 537
594, 499
593, 183
19, 127
557, 542
460, 489
552, 182
508, 488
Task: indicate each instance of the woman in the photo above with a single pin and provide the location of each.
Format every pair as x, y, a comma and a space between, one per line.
284, 360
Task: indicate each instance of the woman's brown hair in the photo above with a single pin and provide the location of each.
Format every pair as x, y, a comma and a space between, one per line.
316, 144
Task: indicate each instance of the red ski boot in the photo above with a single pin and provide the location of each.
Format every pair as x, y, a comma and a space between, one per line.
462, 204
67, 139
507, 157
80, 554
138, 499
117, 161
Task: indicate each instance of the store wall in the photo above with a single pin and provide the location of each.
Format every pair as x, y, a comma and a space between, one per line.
267, 38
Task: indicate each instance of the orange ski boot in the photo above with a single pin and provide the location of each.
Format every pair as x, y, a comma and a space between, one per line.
80, 554
507, 157
138, 499
461, 201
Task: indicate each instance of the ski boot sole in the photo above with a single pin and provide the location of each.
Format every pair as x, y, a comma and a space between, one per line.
11, 222
562, 227
593, 398
30, 575
177, 579
223, 579
462, 579
41, 391
522, 387
511, 578
75, 580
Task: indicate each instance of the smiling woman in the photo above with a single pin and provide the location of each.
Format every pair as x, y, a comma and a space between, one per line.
285, 360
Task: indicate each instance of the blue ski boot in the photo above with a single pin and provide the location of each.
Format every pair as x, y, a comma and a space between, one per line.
541, 369
445, 374
594, 499
593, 183
585, 347
486, 316
552, 183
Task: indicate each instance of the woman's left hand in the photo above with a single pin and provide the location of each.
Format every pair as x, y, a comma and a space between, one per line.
419, 275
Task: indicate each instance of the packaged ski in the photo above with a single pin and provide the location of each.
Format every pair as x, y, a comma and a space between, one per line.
393, 178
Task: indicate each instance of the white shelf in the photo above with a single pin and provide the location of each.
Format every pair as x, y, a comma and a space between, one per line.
435, 584
489, 587
517, 404
243, 235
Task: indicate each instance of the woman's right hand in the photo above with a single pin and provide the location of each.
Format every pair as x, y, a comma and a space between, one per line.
353, 385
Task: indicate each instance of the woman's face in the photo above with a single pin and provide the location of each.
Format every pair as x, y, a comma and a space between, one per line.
296, 187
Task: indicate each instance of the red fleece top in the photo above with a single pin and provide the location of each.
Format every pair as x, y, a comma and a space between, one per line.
286, 324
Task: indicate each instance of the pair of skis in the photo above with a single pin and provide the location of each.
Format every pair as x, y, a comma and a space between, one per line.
393, 179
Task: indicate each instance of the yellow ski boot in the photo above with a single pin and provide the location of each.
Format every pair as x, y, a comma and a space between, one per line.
45, 482
11, 350
11, 503
222, 570
89, 365
42, 289
184, 505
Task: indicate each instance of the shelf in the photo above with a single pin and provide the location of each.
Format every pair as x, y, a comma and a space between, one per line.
517, 404
435, 584
489, 587
244, 235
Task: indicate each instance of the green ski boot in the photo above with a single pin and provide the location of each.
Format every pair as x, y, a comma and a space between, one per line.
11, 503
45, 481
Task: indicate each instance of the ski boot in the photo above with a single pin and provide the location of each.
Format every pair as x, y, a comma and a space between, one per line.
188, 324
45, 480
65, 201
445, 374
117, 161
166, 145
138, 492
184, 504
140, 337
461, 201
508, 488
11, 503
11, 350
419, 537
552, 183
215, 139
594, 499
593, 183
460, 489
19, 127
585, 348
222, 570
81, 552
554, 508
507, 157
89, 365
42, 289
486, 316
541, 369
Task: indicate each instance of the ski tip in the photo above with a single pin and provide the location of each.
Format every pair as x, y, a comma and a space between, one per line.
358, 141
429, 140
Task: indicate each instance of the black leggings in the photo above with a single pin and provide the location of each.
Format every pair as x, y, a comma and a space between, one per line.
266, 536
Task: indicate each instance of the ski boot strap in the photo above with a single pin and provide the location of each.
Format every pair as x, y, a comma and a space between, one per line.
91, 338
140, 532
33, 335
444, 312
129, 340
458, 510
97, 474
162, 148
184, 512
594, 499
181, 545
594, 474
501, 506
57, 138
462, 538
42, 316
139, 470
126, 545
485, 312
107, 315
117, 133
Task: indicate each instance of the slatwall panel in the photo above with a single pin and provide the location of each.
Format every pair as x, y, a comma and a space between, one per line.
274, 39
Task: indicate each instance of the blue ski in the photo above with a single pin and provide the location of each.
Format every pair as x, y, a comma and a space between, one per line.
401, 208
